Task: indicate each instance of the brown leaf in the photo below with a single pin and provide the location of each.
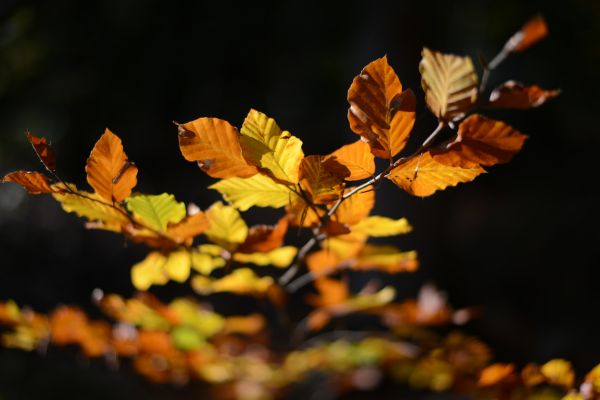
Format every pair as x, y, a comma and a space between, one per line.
357, 158
532, 32
263, 238
43, 150
33, 182
480, 141
109, 171
320, 184
422, 175
379, 111
214, 144
513, 94
495, 374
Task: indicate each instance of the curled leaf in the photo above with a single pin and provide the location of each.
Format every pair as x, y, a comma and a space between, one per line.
513, 94
43, 150
532, 32
33, 182
263, 238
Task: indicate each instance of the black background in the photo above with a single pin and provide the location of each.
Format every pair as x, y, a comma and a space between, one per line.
521, 241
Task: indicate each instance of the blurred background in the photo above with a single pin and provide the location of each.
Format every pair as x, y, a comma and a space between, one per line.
521, 241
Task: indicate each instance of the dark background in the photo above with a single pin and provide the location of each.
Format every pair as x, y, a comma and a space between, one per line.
521, 241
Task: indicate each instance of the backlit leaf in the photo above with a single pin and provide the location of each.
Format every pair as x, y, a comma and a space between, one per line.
386, 258
89, 206
258, 190
247, 325
33, 182
357, 157
177, 266
239, 281
109, 171
514, 94
379, 111
449, 82
226, 226
186, 338
270, 148
357, 207
214, 144
149, 272
156, 211
320, 184
559, 372
480, 141
377, 226
281, 257
188, 228
532, 32
495, 373
422, 175
43, 150
264, 237
205, 263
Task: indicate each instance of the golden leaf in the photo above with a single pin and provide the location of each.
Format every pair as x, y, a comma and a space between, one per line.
320, 184
358, 158
239, 281
495, 373
270, 148
377, 226
214, 144
386, 258
449, 82
258, 190
559, 372
33, 182
422, 175
281, 257
149, 272
227, 228
109, 171
90, 206
379, 111
357, 207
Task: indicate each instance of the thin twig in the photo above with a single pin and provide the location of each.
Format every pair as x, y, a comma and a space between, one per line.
293, 269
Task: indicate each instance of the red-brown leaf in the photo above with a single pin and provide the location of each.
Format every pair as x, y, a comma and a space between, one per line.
513, 94
33, 182
532, 32
263, 238
43, 150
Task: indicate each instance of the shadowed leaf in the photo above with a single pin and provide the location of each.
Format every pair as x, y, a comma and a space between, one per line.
320, 184
357, 157
43, 150
513, 94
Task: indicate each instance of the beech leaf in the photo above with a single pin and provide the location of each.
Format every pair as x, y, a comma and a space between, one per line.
377, 226
109, 171
43, 150
263, 238
358, 158
33, 182
513, 94
156, 211
239, 281
320, 183
214, 144
449, 83
532, 32
90, 206
379, 111
226, 226
280, 258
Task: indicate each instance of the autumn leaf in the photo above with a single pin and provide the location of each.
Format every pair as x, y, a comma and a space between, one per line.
156, 211
109, 171
379, 111
449, 83
480, 141
514, 94
270, 148
532, 32
378, 226
246, 325
150, 271
422, 175
226, 226
90, 206
358, 158
357, 207
321, 184
214, 144
188, 228
205, 263
559, 372
258, 190
240, 281
385, 258
263, 238
281, 257
43, 150
495, 374
33, 182
300, 213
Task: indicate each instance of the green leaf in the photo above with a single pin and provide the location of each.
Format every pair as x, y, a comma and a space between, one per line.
156, 211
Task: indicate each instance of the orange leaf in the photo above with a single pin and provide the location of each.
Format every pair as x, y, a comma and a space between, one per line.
301, 214
495, 373
322, 261
422, 175
33, 182
214, 144
532, 32
379, 111
357, 158
188, 228
263, 238
109, 171
43, 150
331, 292
322, 185
513, 94
480, 141
356, 207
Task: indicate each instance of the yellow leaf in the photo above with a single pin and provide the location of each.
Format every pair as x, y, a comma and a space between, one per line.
495, 373
386, 258
559, 372
109, 171
205, 263
258, 190
149, 272
90, 206
247, 325
214, 144
177, 265
239, 281
365, 301
357, 157
270, 148
422, 175
321, 185
449, 82
281, 257
379, 111
377, 226
227, 228
188, 313
156, 211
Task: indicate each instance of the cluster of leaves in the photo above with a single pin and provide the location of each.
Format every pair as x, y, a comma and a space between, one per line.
262, 165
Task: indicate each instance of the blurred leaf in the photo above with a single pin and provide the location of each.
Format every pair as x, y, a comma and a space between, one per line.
281, 257
227, 228
239, 281
378, 226
532, 32
512, 94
